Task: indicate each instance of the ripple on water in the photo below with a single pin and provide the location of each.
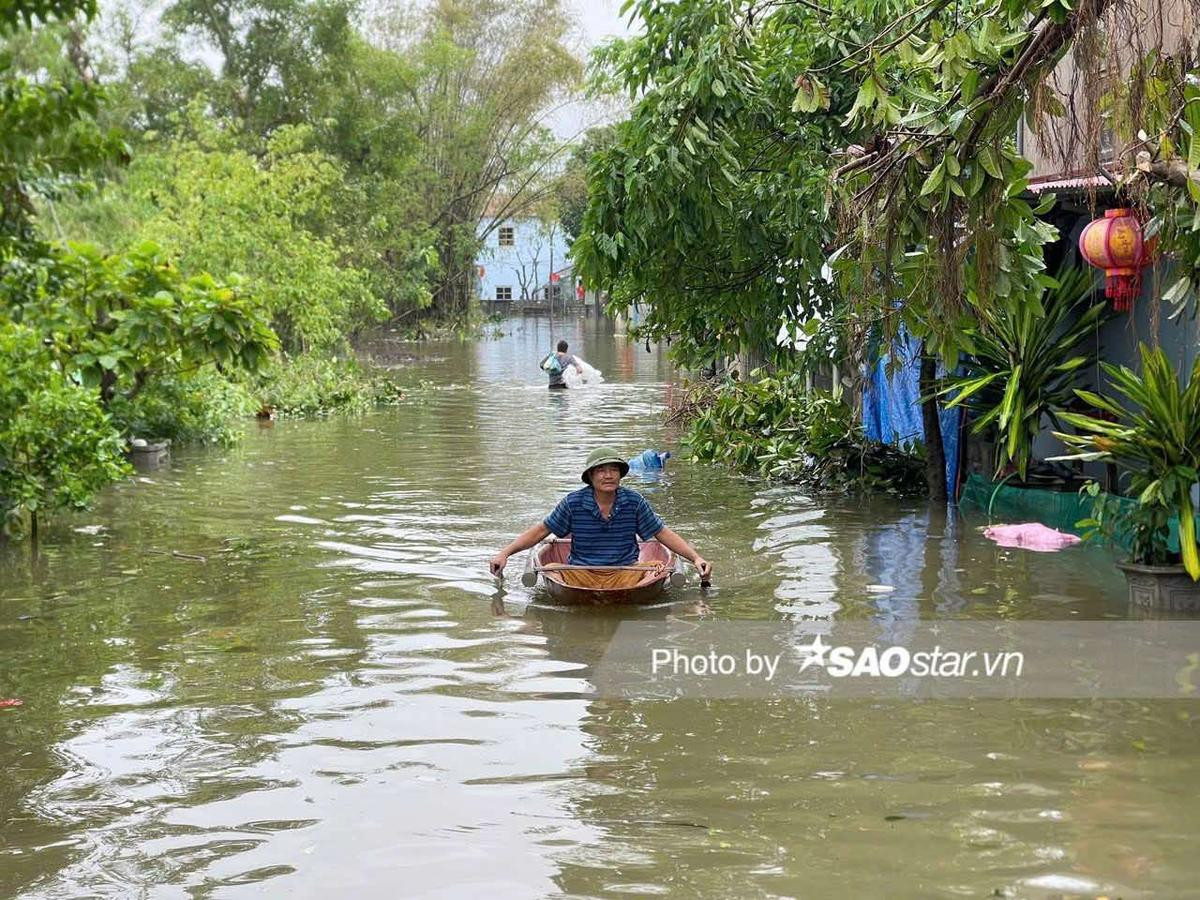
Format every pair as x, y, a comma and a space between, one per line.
339, 701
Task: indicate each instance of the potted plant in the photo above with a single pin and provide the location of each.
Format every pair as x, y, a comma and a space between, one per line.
1155, 438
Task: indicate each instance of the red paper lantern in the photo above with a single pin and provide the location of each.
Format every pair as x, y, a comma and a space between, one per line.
1115, 245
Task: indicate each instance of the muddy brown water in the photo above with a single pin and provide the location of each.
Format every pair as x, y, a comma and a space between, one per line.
338, 701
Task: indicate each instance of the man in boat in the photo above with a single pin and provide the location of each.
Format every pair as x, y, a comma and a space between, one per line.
604, 521
564, 359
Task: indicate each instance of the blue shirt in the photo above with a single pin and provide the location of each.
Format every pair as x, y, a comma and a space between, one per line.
596, 541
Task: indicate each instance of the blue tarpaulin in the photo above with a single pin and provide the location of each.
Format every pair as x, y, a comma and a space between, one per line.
892, 405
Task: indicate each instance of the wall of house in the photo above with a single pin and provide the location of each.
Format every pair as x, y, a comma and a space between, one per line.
1056, 148
1117, 339
528, 261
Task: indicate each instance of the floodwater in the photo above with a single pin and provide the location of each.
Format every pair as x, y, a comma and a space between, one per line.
337, 701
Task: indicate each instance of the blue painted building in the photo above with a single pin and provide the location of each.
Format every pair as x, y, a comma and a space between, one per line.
517, 258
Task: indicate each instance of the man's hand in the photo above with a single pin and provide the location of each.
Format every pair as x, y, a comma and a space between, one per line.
526, 539
703, 566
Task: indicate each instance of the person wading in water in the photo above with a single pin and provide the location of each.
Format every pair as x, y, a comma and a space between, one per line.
563, 359
604, 521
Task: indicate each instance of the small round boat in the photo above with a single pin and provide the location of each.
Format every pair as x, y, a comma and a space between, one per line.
639, 583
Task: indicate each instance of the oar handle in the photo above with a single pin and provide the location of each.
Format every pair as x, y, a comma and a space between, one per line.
529, 575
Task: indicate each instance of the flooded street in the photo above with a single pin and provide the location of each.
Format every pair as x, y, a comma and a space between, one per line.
338, 701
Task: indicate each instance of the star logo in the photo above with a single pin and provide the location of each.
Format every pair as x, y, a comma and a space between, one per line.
814, 653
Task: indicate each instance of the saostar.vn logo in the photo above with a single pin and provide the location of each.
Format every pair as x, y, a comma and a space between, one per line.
895, 661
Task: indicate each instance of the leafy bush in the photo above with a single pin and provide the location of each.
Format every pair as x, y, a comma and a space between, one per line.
215, 207
310, 385
119, 321
58, 447
200, 408
772, 427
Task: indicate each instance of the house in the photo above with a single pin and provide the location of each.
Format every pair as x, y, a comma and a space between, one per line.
1082, 174
1078, 157
518, 257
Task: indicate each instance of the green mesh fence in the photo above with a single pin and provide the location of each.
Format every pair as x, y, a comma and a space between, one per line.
1056, 509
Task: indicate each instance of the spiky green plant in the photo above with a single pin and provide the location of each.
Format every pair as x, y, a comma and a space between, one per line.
1026, 351
1156, 438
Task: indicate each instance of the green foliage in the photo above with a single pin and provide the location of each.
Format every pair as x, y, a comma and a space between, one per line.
282, 61
712, 200
57, 445
89, 334
571, 190
201, 407
762, 143
48, 129
1144, 527
1154, 436
15, 14
485, 73
934, 208
312, 385
115, 322
1025, 356
214, 207
341, 159
772, 427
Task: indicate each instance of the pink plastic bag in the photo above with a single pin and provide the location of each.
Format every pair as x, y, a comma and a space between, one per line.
1029, 536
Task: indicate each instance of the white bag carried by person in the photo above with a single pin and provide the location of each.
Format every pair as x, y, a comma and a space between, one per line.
590, 375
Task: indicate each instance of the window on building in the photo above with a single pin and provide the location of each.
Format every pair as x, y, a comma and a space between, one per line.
504, 293
508, 236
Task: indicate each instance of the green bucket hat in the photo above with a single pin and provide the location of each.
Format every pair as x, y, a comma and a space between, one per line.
599, 457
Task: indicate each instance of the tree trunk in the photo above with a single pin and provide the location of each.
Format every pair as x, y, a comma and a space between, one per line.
935, 453
751, 356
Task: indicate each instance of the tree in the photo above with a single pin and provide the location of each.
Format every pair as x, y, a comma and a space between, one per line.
710, 206
48, 130
76, 326
215, 207
281, 62
487, 73
570, 188
434, 115
115, 322
769, 140
529, 264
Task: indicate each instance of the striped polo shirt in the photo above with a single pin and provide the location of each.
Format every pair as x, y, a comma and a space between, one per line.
596, 541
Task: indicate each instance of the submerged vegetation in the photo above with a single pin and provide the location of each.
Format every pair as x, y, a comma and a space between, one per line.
317, 386
773, 426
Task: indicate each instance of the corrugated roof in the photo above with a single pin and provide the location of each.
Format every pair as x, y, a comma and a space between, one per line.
1078, 183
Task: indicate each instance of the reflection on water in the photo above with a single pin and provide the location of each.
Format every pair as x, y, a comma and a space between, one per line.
339, 700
